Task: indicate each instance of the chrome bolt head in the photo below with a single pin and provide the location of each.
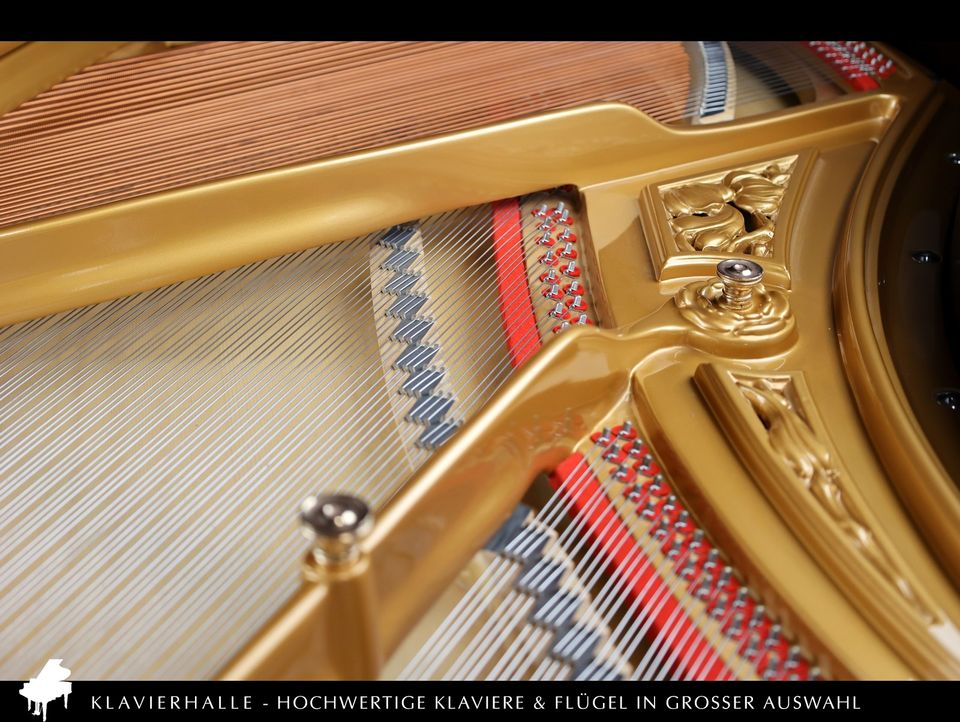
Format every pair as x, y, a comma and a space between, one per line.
336, 525
741, 271
739, 277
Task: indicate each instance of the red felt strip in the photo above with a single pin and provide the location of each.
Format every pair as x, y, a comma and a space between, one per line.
516, 306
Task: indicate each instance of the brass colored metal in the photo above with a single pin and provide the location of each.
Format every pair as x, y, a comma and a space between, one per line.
506, 441
525, 428
773, 423
328, 630
7, 46
336, 524
94, 255
692, 224
738, 309
132, 126
714, 216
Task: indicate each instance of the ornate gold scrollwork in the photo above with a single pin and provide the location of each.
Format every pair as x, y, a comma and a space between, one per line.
772, 421
769, 313
735, 214
775, 403
736, 317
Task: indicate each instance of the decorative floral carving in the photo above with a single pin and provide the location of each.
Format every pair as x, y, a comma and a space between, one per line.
768, 315
735, 214
774, 400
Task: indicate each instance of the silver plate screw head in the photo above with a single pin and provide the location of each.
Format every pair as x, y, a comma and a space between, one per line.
336, 525
739, 277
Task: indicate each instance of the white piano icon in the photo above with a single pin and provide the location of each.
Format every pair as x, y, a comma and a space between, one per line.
47, 686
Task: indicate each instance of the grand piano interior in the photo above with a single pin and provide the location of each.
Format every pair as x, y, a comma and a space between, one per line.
572, 360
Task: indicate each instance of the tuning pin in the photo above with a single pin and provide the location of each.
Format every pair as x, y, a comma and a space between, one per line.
658, 486
670, 504
713, 559
546, 224
736, 625
559, 210
545, 239
696, 541
549, 258
770, 670
661, 529
703, 590
541, 211
773, 637
725, 575
568, 251
614, 454
567, 236
637, 449
559, 311
719, 610
649, 510
690, 571
646, 464
649, 466
571, 270
741, 598
682, 523
550, 276
553, 291
604, 437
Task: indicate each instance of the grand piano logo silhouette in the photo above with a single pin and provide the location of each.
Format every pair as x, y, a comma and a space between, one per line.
47, 686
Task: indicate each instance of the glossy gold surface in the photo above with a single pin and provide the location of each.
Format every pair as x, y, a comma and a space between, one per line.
913, 467
132, 246
813, 499
780, 435
709, 214
692, 224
